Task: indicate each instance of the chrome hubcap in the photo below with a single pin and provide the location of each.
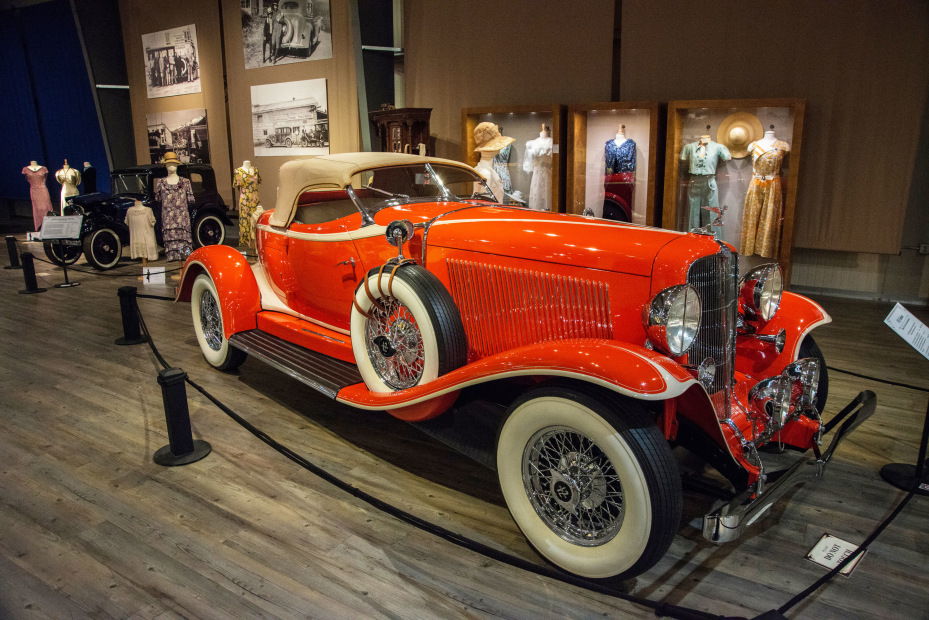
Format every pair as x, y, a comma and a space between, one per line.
211, 321
395, 344
573, 486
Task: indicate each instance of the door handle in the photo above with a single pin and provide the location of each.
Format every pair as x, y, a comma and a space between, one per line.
350, 261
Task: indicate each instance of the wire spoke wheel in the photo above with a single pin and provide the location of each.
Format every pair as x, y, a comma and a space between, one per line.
210, 320
395, 344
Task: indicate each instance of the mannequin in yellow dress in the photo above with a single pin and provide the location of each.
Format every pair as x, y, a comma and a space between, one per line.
764, 202
246, 179
69, 179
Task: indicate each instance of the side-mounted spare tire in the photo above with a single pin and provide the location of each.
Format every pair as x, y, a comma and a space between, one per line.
406, 329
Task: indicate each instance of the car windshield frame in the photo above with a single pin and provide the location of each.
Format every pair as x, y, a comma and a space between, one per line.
120, 187
377, 198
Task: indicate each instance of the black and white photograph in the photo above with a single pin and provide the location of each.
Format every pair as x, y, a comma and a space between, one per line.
183, 132
172, 65
291, 118
277, 32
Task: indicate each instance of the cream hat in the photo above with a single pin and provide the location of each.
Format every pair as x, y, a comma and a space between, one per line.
171, 158
487, 138
737, 131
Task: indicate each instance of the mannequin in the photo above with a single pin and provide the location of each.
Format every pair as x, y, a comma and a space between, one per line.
501, 165
246, 179
90, 178
489, 143
702, 158
538, 161
141, 223
764, 202
486, 168
38, 192
69, 179
175, 195
620, 153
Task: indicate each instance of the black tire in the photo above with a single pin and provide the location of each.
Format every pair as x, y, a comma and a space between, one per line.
414, 333
809, 348
61, 254
268, 143
207, 314
562, 454
103, 249
209, 230
612, 211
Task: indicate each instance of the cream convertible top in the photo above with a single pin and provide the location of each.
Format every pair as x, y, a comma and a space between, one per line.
334, 172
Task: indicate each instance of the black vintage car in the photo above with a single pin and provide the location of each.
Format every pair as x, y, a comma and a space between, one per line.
104, 231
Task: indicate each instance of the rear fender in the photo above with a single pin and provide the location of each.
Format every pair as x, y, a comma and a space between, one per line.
239, 297
620, 367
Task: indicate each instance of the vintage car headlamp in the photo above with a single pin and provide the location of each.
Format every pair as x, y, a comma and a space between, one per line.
773, 395
760, 291
673, 318
805, 372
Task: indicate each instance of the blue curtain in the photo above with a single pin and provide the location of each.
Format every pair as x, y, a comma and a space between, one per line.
53, 118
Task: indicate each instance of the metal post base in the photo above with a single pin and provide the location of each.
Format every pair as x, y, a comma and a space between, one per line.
67, 284
122, 341
26, 291
903, 477
165, 457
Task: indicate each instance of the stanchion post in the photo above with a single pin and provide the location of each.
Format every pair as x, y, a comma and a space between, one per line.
182, 448
14, 255
29, 276
128, 307
911, 477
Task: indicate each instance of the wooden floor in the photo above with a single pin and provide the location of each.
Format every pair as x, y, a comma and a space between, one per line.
91, 527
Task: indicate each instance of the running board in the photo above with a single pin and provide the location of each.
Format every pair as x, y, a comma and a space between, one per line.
321, 372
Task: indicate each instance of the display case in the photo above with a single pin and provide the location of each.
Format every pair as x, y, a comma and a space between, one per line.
403, 130
731, 168
531, 168
612, 160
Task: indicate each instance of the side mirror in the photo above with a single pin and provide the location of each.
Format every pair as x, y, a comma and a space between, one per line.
398, 233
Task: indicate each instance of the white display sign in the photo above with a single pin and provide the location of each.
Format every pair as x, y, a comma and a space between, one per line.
830, 551
153, 275
909, 328
62, 227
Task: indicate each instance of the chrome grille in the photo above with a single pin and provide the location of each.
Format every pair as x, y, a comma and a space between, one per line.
715, 278
503, 308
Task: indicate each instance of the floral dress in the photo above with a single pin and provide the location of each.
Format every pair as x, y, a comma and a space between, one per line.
248, 201
175, 217
501, 165
764, 202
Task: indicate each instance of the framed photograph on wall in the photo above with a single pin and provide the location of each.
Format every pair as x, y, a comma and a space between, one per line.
183, 131
279, 32
291, 118
172, 63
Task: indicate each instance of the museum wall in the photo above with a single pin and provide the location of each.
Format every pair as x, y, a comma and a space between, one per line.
141, 17
487, 53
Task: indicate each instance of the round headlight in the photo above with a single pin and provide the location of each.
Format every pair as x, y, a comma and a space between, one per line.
775, 393
761, 290
673, 318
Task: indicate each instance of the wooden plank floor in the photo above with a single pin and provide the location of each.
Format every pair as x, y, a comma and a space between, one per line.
91, 527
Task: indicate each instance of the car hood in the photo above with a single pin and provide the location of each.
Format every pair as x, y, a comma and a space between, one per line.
86, 199
552, 237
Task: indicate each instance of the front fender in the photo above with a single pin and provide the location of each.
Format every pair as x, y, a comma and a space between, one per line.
621, 367
239, 297
798, 316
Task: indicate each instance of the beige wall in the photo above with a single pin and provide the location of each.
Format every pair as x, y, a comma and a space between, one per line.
142, 17
490, 53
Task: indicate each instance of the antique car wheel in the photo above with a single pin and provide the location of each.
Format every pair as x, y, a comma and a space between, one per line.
590, 481
412, 333
809, 348
103, 249
288, 143
208, 325
268, 143
209, 230
61, 254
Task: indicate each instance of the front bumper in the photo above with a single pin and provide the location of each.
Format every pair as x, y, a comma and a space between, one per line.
727, 522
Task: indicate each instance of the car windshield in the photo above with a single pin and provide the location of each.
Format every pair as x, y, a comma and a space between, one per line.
129, 183
388, 187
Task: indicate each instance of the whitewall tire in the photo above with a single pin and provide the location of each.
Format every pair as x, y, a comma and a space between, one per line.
590, 481
207, 315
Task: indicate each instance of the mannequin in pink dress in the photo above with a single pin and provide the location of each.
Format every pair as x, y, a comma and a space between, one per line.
38, 192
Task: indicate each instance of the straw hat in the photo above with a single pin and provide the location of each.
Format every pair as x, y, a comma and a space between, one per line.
487, 138
737, 131
171, 158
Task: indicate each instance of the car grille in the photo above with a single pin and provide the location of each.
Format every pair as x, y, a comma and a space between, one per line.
716, 278
503, 308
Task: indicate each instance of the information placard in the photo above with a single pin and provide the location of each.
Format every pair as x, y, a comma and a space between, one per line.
909, 328
153, 275
829, 551
62, 227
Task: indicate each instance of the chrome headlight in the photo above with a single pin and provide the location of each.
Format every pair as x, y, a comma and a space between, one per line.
673, 318
774, 392
760, 291
806, 373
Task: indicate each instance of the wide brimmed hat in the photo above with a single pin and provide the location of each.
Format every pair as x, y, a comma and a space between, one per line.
737, 131
487, 138
171, 158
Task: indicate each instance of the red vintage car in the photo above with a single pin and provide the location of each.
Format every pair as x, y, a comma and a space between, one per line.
393, 282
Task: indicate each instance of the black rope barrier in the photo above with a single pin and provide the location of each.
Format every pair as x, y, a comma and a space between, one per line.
885, 381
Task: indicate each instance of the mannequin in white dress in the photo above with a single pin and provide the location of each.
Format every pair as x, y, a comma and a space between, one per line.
538, 161
69, 179
489, 142
141, 223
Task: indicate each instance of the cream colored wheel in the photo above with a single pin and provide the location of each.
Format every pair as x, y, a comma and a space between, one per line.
208, 324
590, 481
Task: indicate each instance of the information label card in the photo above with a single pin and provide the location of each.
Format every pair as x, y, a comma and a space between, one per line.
909, 328
62, 227
829, 551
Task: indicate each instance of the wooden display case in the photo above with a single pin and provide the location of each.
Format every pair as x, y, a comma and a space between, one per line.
591, 181
402, 130
522, 123
747, 183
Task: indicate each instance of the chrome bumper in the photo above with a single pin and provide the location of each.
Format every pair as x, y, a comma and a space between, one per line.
727, 522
